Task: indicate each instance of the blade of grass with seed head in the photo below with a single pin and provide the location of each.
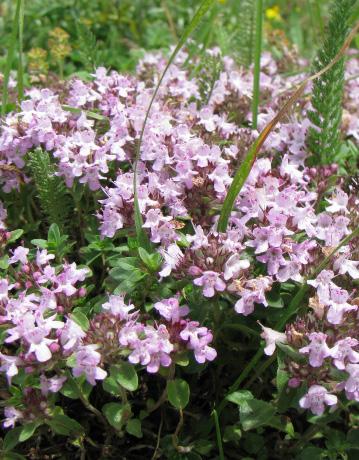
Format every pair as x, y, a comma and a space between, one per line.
202, 10
246, 166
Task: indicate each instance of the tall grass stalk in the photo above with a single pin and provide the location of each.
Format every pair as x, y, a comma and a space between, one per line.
257, 61
10, 55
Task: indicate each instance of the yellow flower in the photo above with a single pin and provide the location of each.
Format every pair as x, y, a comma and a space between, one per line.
273, 13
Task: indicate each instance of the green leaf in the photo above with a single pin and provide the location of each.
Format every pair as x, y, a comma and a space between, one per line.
111, 386
27, 431
12, 438
152, 261
178, 392
126, 263
54, 235
13, 456
70, 388
4, 262
310, 453
133, 427
15, 235
67, 426
126, 375
255, 413
239, 397
117, 414
202, 10
80, 319
40, 243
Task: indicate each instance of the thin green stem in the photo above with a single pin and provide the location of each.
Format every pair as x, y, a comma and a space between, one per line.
10, 57
218, 434
257, 61
20, 73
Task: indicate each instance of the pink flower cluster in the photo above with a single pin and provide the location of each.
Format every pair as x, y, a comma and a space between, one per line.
43, 332
328, 337
278, 231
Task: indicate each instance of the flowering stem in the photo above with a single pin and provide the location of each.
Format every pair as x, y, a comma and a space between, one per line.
257, 61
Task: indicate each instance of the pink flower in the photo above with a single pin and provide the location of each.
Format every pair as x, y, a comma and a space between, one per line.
343, 351
316, 398
116, 305
11, 416
197, 339
352, 384
19, 255
234, 265
272, 337
87, 360
343, 265
323, 283
211, 282
199, 239
170, 309
339, 202
52, 385
172, 258
318, 350
153, 350
9, 365
338, 305
42, 257
4, 289
71, 335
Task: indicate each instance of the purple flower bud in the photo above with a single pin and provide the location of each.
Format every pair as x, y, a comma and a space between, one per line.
54, 347
294, 382
82, 292
194, 271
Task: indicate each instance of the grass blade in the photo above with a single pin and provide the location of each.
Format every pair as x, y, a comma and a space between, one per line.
245, 168
20, 72
202, 10
257, 61
10, 56
243, 172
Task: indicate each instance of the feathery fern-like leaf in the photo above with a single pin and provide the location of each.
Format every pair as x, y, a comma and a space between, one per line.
54, 199
245, 38
326, 116
87, 46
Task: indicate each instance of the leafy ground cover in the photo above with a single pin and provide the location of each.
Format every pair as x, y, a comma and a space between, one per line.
179, 231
